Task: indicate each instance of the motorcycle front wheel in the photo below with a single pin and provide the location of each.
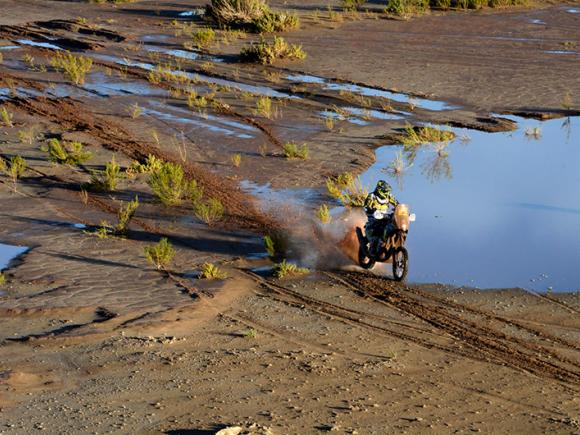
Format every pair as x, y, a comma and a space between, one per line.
364, 260
400, 264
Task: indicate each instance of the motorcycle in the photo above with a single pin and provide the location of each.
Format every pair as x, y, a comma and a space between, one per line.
391, 244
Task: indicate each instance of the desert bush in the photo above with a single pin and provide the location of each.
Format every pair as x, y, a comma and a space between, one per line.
13, 168
170, 185
284, 269
151, 164
134, 110
69, 153
292, 151
424, 135
237, 160
2, 278
6, 117
203, 38
352, 5
209, 211
108, 179
251, 15
75, 68
27, 136
267, 52
211, 271
323, 214
160, 254
125, 214
266, 108
251, 333
277, 244
347, 189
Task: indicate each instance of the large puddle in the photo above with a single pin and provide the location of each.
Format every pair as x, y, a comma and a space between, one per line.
495, 210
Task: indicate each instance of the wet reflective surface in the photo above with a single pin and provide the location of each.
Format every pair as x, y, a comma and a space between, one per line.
38, 44
493, 210
9, 253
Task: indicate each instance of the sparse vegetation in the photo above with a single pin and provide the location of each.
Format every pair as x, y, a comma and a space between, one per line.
323, 214
251, 333
268, 52
108, 179
263, 149
347, 189
276, 244
14, 168
125, 214
151, 164
6, 117
411, 7
203, 38
424, 135
134, 110
170, 185
266, 108
237, 160
210, 211
293, 151
161, 254
69, 153
284, 269
211, 271
27, 136
2, 278
250, 15
352, 5
75, 68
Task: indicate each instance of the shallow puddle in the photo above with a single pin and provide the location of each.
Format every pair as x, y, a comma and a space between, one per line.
109, 86
562, 52
9, 47
38, 44
494, 210
366, 91
275, 197
8, 253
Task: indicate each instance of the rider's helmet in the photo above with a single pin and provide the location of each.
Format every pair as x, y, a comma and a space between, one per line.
383, 189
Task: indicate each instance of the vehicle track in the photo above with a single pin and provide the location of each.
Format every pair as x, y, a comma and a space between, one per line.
510, 350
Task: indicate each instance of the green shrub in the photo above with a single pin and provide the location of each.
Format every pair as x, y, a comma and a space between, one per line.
266, 53
266, 108
292, 151
108, 179
6, 117
352, 5
251, 15
209, 212
170, 185
204, 38
75, 68
151, 164
69, 153
2, 278
14, 168
424, 135
160, 254
323, 214
283, 269
277, 244
211, 271
125, 214
347, 189
237, 160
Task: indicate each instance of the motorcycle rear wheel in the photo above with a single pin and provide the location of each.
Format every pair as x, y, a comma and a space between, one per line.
400, 264
364, 260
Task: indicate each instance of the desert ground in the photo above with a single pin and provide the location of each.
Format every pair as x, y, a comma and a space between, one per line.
94, 338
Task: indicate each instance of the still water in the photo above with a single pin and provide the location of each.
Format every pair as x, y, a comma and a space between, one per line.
493, 210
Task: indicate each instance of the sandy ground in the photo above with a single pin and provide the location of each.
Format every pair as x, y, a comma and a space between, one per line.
96, 340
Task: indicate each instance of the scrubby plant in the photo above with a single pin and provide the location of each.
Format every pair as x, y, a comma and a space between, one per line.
284, 269
251, 333
210, 211
170, 185
211, 271
203, 38
27, 136
75, 68
151, 164
263, 149
293, 151
14, 168
160, 254
125, 214
6, 117
267, 52
237, 160
266, 108
423, 135
333, 15
329, 121
352, 5
108, 179
69, 153
397, 168
251, 15
277, 244
134, 110
323, 214
347, 189
2, 278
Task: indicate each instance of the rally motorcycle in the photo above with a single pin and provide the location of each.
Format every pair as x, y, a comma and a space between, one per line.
392, 242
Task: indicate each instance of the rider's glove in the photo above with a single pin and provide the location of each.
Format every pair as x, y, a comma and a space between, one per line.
378, 214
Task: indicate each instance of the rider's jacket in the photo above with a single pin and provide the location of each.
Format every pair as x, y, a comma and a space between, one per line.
374, 203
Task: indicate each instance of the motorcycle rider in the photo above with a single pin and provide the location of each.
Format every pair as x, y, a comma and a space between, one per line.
379, 214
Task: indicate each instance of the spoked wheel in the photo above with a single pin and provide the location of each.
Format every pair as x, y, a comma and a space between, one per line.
400, 264
364, 260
